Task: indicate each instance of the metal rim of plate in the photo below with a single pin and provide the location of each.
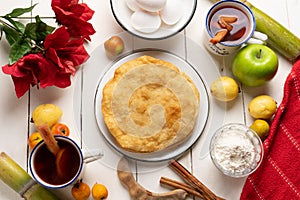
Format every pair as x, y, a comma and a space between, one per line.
168, 32
174, 150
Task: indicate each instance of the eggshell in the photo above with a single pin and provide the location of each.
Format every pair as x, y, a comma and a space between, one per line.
172, 12
145, 22
132, 5
151, 5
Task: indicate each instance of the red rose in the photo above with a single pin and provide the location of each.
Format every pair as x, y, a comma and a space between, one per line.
74, 16
32, 69
53, 68
50, 58
65, 53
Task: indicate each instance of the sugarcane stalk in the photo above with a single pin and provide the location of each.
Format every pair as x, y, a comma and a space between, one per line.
20, 181
279, 38
37, 192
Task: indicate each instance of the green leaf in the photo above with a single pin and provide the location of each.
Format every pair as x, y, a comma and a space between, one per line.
38, 31
18, 50
30, 30
12, 36
18, 25
43, 29
20, 11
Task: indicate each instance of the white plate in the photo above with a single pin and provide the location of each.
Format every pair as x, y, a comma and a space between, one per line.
172, 151
179, 49
123, 14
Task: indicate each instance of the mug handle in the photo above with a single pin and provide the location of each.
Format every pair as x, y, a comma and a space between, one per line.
92, 155
258, 38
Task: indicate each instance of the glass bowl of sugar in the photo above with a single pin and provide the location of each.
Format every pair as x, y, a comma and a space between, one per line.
236, 150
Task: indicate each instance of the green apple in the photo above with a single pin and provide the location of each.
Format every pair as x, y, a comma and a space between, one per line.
255, 64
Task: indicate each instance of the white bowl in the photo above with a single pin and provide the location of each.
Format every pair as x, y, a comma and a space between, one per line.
123, 14
236, 150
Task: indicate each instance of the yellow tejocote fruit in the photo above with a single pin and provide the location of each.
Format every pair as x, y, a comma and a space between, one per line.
99, 191
80, 191
262, 107
48, 114
224, 89
261, 127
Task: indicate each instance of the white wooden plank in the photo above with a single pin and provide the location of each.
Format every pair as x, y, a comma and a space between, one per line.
13, 114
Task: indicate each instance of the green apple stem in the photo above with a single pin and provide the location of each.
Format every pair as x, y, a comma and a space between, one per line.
279, 38
19, 180
259, 54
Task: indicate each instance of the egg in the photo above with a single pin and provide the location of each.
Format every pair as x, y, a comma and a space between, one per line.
151, 5
145, 22
132, 5
172, 12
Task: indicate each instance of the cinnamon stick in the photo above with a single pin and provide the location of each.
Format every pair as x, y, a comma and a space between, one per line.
193, 181
220, 35
48, 138
225, 25
178, 185
228, 19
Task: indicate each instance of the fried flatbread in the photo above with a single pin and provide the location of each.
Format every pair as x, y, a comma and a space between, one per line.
149, 105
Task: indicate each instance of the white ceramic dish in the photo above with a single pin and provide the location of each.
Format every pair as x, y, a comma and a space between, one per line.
87, 90
123, 14
171, 151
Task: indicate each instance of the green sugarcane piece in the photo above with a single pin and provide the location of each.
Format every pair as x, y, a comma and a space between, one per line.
279, 38
37, 192
20, 181
12, 174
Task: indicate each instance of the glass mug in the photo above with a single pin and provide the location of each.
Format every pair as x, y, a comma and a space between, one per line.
42, 163
242, 29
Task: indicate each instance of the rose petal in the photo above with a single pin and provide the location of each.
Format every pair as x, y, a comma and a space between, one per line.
59, 38
63, 80
63, 3
74, 16
22, 85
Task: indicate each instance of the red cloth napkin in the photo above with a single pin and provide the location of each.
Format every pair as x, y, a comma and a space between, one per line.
278, 177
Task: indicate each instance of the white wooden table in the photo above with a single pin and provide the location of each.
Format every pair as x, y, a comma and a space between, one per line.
16, 113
